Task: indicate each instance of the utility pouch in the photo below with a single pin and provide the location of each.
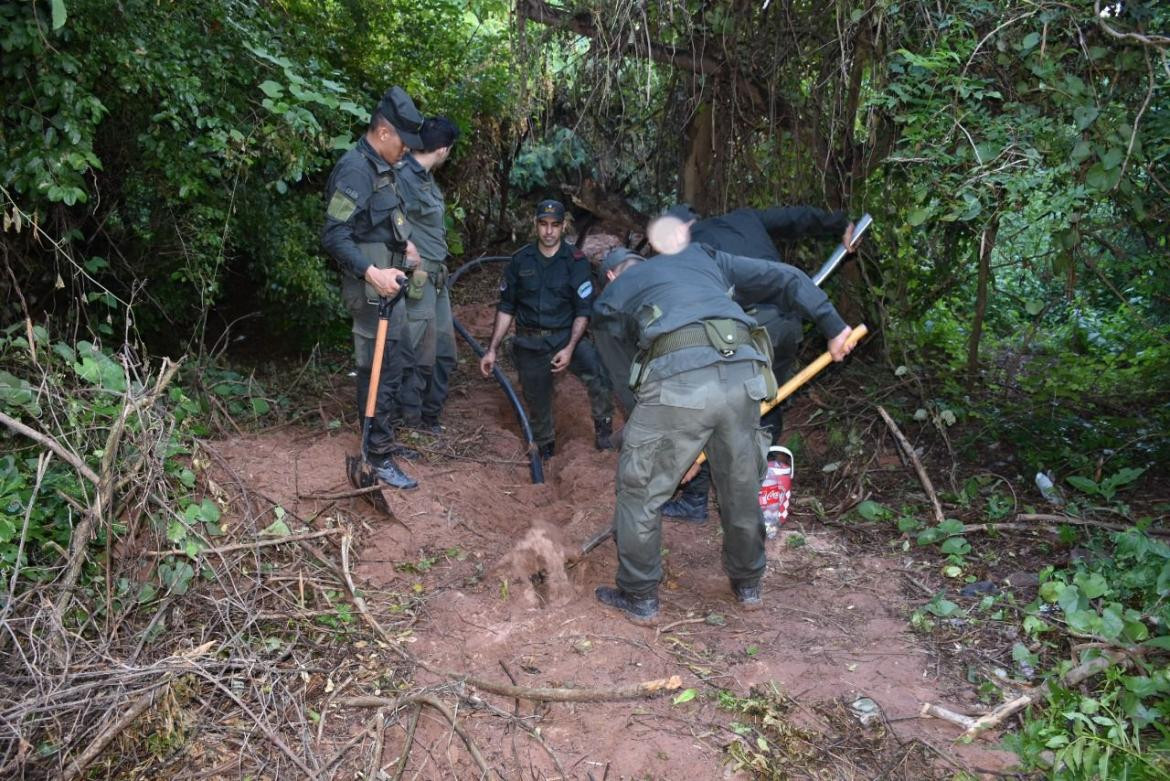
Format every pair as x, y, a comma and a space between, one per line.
439, 278
724, 335
763, 344
418, 284
637, 370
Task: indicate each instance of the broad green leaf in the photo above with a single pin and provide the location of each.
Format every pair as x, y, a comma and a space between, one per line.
1083, 484
59, 14
7, 529
1111, 623
686, 695
1030, 41
1112, 158
1069, 599
917, 217
260, 406
276, 529
1084, 116
1162, 585
1081, 151
176, 531
1102, 180
872, 511
1034, 307
271, 88
957, 545
146, 593
1092, 586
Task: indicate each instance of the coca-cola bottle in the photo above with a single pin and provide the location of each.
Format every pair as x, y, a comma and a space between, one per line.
776, 490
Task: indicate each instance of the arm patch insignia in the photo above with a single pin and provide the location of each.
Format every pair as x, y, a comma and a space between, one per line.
341, 206
585, 289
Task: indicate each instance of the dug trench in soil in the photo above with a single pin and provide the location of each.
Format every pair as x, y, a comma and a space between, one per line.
490, 563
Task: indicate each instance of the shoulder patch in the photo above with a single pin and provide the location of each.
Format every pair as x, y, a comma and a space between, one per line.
341, 206
585, 289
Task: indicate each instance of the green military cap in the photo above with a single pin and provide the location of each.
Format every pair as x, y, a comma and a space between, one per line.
400, 111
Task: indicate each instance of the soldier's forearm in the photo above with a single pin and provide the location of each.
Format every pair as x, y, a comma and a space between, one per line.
578, 330
503, 323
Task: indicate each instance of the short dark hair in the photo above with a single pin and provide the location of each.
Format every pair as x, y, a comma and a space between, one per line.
438, 132
377, 119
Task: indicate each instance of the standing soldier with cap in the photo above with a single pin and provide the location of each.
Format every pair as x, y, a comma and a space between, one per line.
700, 376
367, 234
749, 232
548, 292
428, 303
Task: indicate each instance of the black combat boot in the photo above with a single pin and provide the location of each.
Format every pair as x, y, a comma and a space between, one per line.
431, 425
691, 504
747, 594
547, 450
388, 472
640, 610
603, 428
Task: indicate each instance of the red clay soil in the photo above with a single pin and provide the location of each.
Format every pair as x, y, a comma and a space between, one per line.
494, 560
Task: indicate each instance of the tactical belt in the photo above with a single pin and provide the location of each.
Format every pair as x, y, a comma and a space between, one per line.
434, 266
525, 331
698, 335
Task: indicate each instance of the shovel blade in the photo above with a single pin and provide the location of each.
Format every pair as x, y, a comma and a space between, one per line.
361, 475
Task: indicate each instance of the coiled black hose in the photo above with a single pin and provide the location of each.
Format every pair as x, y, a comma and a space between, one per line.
535, 465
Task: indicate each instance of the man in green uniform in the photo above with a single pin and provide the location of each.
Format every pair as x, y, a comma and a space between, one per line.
547, 290
699, 384
367, 234
428, 303
750, 233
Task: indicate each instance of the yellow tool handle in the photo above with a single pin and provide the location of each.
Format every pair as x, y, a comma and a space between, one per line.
803, 376
810, 371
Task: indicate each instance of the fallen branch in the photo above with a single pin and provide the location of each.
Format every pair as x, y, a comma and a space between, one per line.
1080, 673
249, 545
52, 444
369, 489
908, 449
1055, 519
644, 690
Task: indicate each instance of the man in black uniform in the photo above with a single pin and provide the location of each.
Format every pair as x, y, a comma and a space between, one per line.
428, 303
749, 232
547, 290
699, 384
367, 234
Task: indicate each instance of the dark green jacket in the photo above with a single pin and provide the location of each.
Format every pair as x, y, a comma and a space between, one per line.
363, 207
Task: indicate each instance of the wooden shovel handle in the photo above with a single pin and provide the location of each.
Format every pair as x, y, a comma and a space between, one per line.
376, 369
810, 371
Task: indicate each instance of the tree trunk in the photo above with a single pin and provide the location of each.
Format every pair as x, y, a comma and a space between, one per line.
986, 245
695, 177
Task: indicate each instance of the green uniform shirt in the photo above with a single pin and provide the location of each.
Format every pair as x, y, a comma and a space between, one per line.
424, 209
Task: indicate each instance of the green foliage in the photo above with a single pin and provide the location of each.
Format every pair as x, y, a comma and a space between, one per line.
543, 164
190, 142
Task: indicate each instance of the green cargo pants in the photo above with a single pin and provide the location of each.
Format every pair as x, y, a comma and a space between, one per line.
716, 408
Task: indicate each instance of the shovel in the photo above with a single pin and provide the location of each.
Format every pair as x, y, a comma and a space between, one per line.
360, 471
786, 390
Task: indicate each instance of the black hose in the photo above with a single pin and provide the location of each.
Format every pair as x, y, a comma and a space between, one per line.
535, 465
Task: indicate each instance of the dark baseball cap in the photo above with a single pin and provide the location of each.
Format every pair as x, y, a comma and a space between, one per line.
399, 110
550, 208
615, 257
682, 211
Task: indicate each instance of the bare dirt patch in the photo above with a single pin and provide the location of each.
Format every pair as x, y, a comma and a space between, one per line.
488, 567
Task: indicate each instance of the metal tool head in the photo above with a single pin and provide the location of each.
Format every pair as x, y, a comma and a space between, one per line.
361, 476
